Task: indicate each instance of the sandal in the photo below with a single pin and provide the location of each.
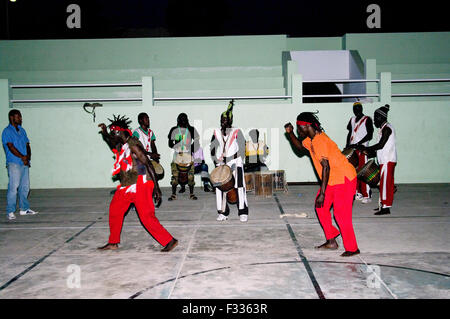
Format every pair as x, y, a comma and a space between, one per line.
193, 197
172, 197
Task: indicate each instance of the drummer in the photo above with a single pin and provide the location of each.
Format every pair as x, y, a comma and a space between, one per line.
183, 138
147, 137
338, 182
228, 148
386, 153
360, 132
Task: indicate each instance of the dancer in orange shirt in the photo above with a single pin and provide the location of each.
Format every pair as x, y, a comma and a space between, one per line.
338, 182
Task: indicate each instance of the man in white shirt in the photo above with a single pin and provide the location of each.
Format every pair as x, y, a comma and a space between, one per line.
360, 132
386, 152
228, 148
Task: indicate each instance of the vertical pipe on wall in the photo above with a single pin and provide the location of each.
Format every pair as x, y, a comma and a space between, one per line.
370, 70
385, 87
147, 91
297, 88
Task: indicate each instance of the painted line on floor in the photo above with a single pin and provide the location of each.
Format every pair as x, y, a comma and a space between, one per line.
43, 258
300, 253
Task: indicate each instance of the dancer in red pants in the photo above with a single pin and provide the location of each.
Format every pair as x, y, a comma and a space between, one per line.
138, 183
338, 182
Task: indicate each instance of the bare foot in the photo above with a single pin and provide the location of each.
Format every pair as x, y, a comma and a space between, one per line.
109, 247
330, 244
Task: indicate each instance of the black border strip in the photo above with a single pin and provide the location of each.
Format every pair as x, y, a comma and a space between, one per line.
300, 253
43, 258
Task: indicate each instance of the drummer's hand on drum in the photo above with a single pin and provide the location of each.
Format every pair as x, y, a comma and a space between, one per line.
289, 128
155, 156
361, 148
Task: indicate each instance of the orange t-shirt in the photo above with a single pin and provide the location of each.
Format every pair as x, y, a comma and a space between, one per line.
321, 146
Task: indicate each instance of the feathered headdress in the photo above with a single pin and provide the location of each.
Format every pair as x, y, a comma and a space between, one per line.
229, 112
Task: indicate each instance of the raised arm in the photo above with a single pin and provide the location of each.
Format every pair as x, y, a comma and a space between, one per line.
294, 140
106, 137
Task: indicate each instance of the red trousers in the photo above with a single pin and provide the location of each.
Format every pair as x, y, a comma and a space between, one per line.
362, 187
341, 197
387, 184
143, 201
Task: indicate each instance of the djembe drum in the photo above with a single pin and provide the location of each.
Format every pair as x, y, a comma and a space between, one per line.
232, 196
370, 173
352, 157
159, 170
222, 178
183, 162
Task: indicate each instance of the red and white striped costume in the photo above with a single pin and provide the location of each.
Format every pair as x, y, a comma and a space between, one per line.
359, 131
387, 159
140, 194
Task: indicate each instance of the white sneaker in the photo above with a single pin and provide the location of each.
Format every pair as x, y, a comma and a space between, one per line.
366, 200
243, 218
359, 196
222, 217
28, 212
11, 216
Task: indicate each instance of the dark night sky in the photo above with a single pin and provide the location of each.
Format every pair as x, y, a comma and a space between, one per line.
32, 19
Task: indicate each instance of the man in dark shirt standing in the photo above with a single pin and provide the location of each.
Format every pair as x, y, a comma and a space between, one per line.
18, 156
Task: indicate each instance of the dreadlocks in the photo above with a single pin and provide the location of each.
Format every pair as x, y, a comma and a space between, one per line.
121, 122
311, 119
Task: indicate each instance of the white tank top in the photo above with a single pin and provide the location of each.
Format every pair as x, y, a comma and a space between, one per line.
146, 139
359, 130
230, 142
389, 152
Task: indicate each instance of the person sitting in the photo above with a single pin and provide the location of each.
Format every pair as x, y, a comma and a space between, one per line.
200, 167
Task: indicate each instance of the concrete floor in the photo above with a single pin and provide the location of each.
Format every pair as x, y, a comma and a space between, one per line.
53, 254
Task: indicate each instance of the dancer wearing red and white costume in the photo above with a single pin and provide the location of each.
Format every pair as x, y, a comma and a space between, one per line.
386, 152
360, 132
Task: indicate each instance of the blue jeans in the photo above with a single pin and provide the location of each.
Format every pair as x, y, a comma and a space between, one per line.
19, 182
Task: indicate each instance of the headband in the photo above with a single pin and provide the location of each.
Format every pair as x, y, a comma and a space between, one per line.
118, 128
303, 123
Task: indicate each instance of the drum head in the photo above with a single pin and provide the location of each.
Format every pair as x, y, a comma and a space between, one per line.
157, 167
221, 175
183, 159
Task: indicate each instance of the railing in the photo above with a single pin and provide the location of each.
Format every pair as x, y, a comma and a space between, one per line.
295, 97
76, 85
375, 94
257, 97
419, 81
